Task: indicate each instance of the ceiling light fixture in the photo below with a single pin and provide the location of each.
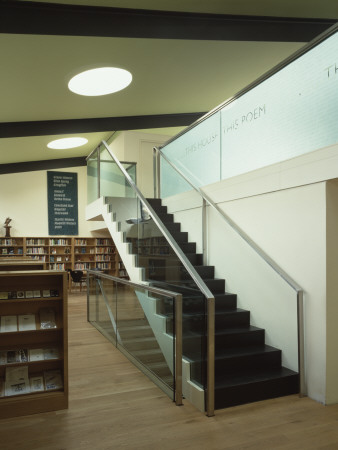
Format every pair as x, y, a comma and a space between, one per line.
100, 81
60, 144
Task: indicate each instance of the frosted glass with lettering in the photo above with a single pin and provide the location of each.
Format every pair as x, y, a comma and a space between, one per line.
197, 154
291, 113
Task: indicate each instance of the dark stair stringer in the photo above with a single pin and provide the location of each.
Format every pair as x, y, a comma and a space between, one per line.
246, 369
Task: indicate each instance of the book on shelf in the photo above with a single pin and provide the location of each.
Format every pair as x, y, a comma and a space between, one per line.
53, 380
2, 387
37, 293
8, 324
41, 354
17, 381
29, 294
3, 357
47, 318
51, 353
54, 293
26, 322
3, 295
21, 294
36, 383
46, 293
36, 354
12, 295
15, 356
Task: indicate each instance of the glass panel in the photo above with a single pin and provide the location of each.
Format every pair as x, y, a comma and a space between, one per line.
144, 333
102, 306
292, 113
196, 154
92, 178
112, 181
140, 323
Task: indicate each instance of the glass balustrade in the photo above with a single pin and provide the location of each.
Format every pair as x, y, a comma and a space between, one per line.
142, 322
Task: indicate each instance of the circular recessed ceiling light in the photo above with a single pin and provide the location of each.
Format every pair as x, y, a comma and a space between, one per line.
72, 142
101, 81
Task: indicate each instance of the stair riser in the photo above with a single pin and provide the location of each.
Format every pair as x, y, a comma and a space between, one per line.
242, 339
155, 202
175, 273
189, 247
222, 303
196, 259
216, 286
166, 218
203, 271
231, 365
223, 321
247, 393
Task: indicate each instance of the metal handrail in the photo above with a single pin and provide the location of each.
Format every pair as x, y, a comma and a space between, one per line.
196, 278
178, 321
292, 283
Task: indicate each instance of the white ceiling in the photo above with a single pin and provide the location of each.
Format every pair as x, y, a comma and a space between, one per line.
169, 76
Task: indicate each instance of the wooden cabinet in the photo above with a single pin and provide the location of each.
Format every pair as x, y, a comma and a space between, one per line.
65, 253
33, 342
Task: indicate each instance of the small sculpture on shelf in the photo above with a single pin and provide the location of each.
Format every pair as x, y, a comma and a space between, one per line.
8, 227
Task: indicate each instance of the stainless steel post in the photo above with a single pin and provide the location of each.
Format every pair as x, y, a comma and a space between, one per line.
178, 350
210, 403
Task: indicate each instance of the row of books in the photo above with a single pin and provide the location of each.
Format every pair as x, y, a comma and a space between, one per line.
100, 241
27, 322
11, 251
18, 382
59, 242
37, 293
8, 241
104, 250
35, 250
164, 250
102, 258
24, 355
35, 241
57, 266
152, 241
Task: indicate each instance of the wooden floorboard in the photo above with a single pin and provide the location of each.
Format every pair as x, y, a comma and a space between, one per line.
114, 406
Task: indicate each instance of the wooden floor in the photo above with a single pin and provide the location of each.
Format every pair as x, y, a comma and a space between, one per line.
114, 406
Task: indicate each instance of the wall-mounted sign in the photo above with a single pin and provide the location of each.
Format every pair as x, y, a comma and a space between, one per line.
62, 203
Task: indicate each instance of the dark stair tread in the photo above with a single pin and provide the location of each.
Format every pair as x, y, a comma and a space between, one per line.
229, 312
233, 352
215, 285
229, 331
252, 377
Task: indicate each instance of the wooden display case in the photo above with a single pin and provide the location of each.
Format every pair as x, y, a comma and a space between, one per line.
39, 345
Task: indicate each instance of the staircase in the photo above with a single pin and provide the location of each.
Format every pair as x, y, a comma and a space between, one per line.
246, 369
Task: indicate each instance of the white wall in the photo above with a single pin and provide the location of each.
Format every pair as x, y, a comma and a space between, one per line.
332, 292
23, 198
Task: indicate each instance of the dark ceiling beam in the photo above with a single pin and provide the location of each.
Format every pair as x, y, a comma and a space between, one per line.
48, 164
23, 17
71, 126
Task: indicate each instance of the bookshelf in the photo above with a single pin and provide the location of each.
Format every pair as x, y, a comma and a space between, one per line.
34, 344
11, 246
65, 253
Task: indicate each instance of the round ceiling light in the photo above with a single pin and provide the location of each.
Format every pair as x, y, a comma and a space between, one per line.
60, 144
101, 81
